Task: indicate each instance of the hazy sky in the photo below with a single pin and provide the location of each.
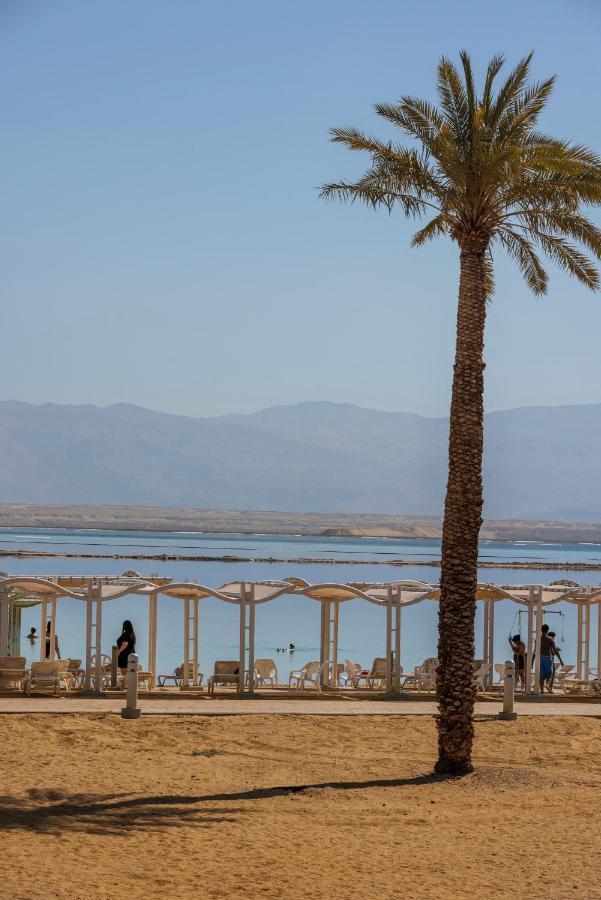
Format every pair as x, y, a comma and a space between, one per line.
162, 241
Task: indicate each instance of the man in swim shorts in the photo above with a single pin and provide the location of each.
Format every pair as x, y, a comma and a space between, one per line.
548, 651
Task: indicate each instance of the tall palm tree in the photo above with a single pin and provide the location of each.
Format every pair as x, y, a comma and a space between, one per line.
486, 177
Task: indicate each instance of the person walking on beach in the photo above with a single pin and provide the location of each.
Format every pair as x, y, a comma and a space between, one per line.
519, 657
126, 644
552, 635
548, 651
57, 651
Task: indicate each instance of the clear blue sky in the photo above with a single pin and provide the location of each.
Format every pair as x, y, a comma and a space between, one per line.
162, 241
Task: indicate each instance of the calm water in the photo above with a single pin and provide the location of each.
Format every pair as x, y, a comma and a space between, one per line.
296, 619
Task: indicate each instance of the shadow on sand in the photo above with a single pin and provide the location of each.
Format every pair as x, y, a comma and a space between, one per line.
51, 812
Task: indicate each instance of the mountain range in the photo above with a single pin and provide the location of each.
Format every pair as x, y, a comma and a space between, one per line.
540, 462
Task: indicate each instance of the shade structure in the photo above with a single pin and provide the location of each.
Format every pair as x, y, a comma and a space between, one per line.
393, 596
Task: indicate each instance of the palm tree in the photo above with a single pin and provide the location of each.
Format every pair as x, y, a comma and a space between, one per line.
485, 176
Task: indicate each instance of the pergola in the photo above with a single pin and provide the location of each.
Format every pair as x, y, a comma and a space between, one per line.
247, 595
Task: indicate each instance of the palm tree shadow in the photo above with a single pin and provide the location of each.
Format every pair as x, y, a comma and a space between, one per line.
53, 812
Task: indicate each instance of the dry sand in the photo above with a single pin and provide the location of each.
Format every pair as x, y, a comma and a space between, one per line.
95, 807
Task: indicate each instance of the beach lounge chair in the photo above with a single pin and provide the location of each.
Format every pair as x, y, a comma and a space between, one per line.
176, 677
377, 673
266, 671
309, 674
226, 671
423, 677
48, 675
13, 672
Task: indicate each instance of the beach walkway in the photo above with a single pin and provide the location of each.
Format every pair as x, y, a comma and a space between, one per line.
275, 706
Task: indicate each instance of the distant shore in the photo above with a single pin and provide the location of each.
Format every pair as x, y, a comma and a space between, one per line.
181, 519
295, 560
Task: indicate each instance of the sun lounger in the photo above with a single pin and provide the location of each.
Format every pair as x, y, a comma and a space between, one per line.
176, 677
423, 677
48, 675
377, 673
13, 672
266, 671
226, 671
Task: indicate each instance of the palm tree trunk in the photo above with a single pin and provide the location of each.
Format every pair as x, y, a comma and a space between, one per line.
462, 521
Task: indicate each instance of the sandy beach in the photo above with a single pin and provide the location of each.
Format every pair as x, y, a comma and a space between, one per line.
295, 806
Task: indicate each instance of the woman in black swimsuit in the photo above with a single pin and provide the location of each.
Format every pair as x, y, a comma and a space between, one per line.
126, 644
519, 657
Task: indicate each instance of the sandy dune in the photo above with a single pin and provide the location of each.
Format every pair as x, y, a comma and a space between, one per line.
94, 807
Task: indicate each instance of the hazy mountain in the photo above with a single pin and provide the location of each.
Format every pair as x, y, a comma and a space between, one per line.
540, 462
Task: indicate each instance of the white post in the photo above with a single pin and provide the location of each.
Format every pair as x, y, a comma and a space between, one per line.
4, 629
98, 637
389, 638
485, 609
152, 636
396, 673
508, 692
131, 710
598, 639
587, 638
251, 640
530, 640
195, 642
89, 601
44, 615
539, 625
579, 642
52, 627
325, 642
242, 666
186, 672
491, 645
334, 681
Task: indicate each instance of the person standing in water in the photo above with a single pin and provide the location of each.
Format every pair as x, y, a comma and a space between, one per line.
126, 644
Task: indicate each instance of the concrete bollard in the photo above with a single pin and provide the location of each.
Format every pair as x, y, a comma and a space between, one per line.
508, 693
131, 710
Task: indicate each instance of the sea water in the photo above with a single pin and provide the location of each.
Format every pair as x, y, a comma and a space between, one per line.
289, 618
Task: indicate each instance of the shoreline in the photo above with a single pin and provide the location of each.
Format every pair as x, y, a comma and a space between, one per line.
285, 524
298, 560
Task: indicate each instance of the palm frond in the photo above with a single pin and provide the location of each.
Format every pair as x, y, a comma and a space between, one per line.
522, 251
